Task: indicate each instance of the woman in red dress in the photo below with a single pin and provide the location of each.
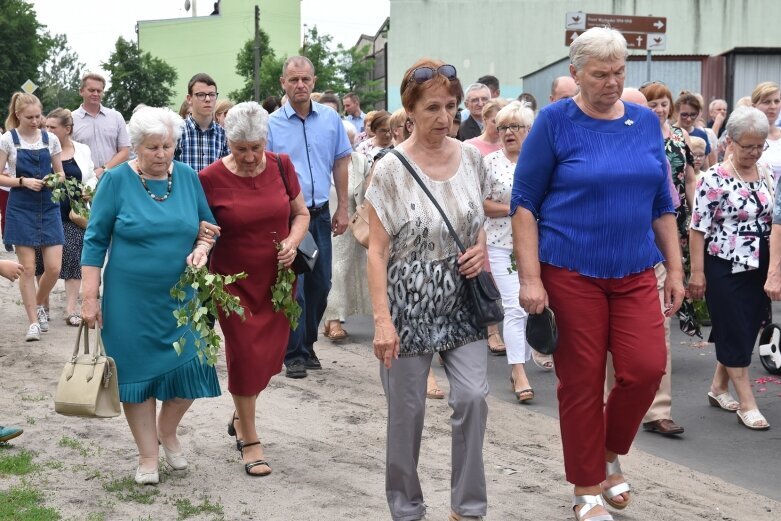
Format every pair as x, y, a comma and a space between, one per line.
262, 222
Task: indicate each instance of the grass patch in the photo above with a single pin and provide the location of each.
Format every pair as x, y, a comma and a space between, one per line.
24, 504
34, 397
186, 509
17, 464
126, 489
76, 445
30, 420
97, 516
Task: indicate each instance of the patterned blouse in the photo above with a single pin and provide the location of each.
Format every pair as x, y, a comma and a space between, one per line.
500, 172
428, 298
679, 154
733, 215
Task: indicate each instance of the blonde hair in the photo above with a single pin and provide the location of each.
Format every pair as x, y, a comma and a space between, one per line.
315, 96
493, 105
398, 118
745, 101
697, 144
224, 105
19, 101
598, 43
92, 76
516, 110
766, 88
63, 116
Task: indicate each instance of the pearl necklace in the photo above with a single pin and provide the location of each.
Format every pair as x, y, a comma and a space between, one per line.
740, 178
158, 198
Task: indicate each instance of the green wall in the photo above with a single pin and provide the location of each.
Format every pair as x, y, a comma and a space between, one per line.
210, 43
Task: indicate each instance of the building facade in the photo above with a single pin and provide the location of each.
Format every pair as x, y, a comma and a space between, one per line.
210, 42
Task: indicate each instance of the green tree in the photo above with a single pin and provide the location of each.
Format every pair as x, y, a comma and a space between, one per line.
60, 76
270, 70
137, 77
317, 47
23, 47
355, 67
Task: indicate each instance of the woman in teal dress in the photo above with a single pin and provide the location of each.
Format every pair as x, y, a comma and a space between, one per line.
147, 215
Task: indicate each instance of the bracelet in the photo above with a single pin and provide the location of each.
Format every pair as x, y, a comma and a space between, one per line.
21, 179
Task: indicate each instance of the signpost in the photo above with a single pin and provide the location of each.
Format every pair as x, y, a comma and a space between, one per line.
647, 33
29, 87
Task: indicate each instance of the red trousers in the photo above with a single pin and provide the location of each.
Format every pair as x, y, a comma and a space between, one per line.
595, 316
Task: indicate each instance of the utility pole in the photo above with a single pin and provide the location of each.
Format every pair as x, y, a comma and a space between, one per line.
256, 75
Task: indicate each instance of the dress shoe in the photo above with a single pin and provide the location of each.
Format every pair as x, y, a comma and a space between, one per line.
147, 478
176, 460
296, 369
313, 363
665, 427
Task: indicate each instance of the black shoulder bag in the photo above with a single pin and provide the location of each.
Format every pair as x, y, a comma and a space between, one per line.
485, 294
306, 255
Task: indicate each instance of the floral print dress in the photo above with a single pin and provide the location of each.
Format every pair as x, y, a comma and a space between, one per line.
679, 155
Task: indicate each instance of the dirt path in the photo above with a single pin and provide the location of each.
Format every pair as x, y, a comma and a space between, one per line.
324, 438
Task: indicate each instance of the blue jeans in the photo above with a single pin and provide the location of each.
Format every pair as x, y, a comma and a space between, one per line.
312, 293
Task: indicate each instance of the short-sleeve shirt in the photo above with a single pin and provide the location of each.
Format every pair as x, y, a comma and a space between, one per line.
428, 298
500, 173
7, 146
104, 134
772, 156
314, 145
733, 215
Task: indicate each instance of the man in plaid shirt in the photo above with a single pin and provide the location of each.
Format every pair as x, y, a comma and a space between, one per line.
203, 140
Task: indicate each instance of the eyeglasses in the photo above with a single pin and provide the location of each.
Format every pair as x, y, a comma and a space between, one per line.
698, 156
203, 95
688, 115
382, 131
753, 148
424, 74
514, 127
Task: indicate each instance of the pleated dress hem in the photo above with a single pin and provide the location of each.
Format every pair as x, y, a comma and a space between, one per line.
188, 381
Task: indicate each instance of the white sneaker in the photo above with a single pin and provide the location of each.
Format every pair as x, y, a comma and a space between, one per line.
43, 319
33, 333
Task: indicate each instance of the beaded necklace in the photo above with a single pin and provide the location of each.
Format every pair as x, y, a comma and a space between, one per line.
158, 198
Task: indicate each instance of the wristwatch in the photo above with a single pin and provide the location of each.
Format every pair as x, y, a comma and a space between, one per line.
20, 181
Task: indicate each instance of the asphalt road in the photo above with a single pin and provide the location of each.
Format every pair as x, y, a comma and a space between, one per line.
714, 442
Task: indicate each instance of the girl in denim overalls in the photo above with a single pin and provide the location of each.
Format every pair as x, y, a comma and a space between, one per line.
33, 220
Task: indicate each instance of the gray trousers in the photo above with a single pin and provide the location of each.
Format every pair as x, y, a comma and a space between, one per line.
405, 391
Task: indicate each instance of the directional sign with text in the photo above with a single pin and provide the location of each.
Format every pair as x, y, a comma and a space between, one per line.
641, 32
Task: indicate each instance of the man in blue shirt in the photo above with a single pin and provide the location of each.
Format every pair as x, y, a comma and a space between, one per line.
314, 138
203, 140
352, 111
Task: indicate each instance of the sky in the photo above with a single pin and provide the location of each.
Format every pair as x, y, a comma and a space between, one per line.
92, 36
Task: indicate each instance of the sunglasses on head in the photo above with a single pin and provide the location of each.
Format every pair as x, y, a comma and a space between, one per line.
423, 74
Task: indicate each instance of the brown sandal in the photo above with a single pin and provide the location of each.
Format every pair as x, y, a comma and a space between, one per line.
497, 348
335, 332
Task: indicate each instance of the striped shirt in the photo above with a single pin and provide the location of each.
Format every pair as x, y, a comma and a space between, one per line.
199, 148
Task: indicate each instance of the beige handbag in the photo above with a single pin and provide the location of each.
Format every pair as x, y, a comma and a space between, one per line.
88, 384
359, 225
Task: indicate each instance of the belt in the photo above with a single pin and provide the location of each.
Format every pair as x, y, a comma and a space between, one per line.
316, 210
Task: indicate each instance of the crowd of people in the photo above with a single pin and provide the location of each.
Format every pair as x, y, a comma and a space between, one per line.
681, 206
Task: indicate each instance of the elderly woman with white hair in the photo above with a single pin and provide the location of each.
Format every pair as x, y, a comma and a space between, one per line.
730, 226
151, 211
257, 200
592, 216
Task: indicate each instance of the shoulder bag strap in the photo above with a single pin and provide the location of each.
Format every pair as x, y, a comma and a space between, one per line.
282, 174
431, 197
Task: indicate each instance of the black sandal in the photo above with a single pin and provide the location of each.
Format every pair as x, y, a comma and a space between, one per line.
253, 464
232, 431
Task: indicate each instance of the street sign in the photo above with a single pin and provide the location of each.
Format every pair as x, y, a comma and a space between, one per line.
641, 32
29, 87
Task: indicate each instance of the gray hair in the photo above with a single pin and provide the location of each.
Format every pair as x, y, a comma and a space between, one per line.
599, 43
297, 59
516, 111
155, 121
473, 87
246, 123
747, 120
712, 104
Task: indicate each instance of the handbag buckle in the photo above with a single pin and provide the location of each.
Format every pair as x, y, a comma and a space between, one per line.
106, 375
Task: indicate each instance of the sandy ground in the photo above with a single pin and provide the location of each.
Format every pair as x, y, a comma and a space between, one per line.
324, 437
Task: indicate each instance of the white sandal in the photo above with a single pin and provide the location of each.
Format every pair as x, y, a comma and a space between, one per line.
611, 468
723, 401
753, 420
589, 503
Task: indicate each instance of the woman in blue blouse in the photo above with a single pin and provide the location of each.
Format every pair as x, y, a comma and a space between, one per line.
591, 211
151, 211
728, 238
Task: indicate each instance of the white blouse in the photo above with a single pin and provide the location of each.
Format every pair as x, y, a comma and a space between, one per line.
500, 173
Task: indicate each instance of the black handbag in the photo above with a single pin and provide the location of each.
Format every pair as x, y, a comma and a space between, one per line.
485, 295
541, 332
307, 253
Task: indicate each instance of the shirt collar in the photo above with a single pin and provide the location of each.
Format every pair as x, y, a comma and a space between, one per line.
193, 124
290, 111
83, 112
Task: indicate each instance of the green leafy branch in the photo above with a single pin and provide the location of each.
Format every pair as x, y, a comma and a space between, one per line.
79, 194
209, 294
513, 265
282, 297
